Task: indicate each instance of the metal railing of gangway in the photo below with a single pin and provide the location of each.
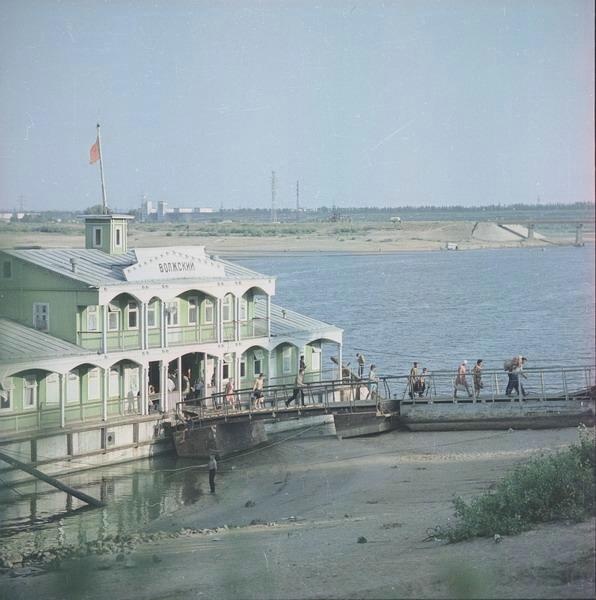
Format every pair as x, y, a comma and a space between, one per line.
497, 385
539, 384
347, 391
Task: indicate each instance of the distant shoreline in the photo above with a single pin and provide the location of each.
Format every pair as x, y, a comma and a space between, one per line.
323, 239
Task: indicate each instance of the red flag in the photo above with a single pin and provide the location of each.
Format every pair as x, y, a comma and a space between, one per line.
94, 152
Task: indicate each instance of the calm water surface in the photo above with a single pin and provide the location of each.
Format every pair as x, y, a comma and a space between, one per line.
435, 307
441, 307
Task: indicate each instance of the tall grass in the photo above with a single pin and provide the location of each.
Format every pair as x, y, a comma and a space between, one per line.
555, 487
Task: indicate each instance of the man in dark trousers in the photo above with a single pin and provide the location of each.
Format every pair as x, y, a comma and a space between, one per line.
212, 472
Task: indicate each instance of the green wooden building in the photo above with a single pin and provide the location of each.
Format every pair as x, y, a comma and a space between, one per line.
97, 345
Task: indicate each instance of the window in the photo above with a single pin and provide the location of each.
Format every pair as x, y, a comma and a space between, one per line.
133, 315
97, 237
152, 314
113, 318
287, 359
172, 313
73, 388
193, 308
118, 232
257, 362
228, 306
93, 318
242, 368
5, 399
29, 391
243, 309
315, 359
52, 388
225, 372
93, 387
6, 269
208, 311
114, 390
41, 316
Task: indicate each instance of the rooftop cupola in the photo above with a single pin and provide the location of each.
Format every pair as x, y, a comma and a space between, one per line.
107, 233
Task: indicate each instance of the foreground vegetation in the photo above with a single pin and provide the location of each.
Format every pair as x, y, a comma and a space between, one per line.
549, 488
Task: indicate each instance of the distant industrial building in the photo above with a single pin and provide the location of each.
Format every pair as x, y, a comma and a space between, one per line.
160, 211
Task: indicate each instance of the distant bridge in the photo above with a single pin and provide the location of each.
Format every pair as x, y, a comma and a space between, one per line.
531, 225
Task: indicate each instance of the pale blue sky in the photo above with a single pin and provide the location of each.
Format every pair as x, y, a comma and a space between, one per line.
365, 102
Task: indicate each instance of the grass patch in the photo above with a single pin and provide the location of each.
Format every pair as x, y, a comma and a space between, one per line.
548, 488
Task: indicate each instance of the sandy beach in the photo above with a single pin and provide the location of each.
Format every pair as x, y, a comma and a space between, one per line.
362, 238
323, 518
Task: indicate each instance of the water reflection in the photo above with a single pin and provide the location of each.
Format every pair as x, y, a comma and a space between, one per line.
135, 494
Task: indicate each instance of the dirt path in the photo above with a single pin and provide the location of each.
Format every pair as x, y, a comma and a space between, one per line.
290, 517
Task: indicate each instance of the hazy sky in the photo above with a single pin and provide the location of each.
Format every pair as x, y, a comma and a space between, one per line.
365, 102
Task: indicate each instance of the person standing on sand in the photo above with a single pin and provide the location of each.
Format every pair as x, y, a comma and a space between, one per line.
212, 472
477, 378
460, 379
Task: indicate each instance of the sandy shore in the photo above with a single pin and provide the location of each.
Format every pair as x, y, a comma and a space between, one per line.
290, 515
372, 238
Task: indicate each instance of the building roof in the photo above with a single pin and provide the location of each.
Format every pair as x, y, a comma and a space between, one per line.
97, 268
22, 343
287, 322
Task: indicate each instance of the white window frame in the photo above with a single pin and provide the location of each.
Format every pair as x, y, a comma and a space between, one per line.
132, 311
286, 360
52, 382
315, 359
169, 312
193, 307
7, 395
73, 384
97, 230
92, 312
243, 309
118, 237
30, 383
94, 384
37, 313
227, 308
209, 311
114, 382
152, 315
113, 311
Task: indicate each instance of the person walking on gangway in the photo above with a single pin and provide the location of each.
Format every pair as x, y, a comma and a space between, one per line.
477, 377
361, 360
413, 380
298, 390
460, 379
373, 383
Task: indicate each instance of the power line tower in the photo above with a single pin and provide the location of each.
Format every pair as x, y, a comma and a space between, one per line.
273, 207
298, 200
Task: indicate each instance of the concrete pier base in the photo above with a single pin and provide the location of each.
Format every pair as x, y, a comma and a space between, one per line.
221, 439
363, 423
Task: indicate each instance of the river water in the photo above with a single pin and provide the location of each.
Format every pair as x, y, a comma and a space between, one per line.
434, 307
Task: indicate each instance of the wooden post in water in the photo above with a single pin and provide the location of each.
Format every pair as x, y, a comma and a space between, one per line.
57, 484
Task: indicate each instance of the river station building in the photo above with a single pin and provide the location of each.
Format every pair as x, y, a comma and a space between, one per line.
97, 345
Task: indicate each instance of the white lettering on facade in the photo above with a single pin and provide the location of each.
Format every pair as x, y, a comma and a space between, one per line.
176, 267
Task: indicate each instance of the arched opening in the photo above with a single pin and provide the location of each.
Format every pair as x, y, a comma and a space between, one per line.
253, 314
191, 318
124, 388
123, 322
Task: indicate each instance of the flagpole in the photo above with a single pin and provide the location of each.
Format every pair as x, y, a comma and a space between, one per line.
103, 184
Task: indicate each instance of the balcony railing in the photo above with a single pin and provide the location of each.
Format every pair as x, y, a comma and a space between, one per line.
178, 335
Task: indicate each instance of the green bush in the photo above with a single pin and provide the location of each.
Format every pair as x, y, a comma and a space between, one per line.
560, 486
